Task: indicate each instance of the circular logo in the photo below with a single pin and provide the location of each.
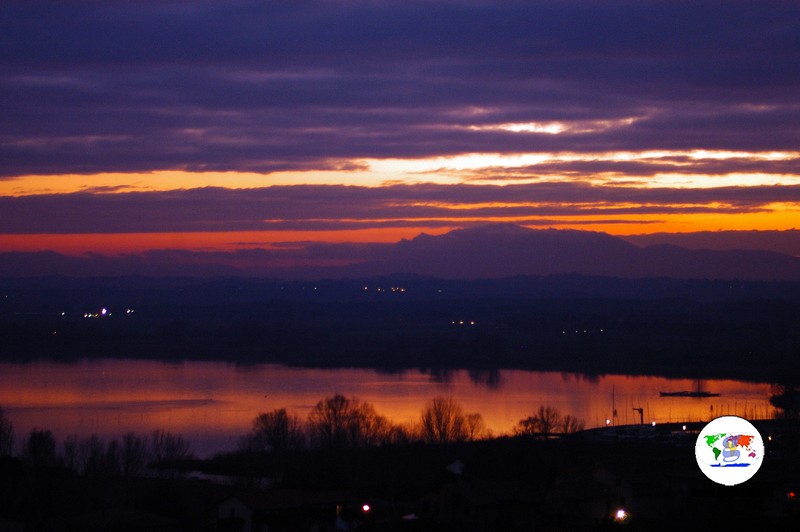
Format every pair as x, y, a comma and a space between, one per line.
729, 450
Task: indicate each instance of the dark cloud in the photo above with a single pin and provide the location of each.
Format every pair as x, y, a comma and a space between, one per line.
264, 86
351, 207
645, 168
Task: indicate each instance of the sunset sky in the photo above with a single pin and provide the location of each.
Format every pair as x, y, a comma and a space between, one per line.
225, 126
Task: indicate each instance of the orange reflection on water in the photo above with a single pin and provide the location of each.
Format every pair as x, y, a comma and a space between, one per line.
213, 403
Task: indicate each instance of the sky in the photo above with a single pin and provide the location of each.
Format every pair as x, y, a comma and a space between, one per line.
237, 125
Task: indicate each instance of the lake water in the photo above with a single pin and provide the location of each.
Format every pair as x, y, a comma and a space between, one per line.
213, 403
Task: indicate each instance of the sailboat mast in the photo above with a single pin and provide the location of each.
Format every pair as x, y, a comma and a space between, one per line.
614, 404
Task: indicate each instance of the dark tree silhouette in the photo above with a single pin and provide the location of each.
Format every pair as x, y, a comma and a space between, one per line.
444, 421
6, 435
40, 448
92, 456
274, 431
128, 456
548, 420
134, 454
338, 422
166, 447
786, 398
570, 424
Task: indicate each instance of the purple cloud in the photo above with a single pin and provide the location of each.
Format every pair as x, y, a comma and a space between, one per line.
263, 86
349, 207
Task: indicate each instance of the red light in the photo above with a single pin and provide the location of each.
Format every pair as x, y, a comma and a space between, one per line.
792, 495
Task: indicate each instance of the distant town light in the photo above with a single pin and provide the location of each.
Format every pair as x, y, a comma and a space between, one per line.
608, 422
365, 508
104, 311
653, 423
684, 427
620, 515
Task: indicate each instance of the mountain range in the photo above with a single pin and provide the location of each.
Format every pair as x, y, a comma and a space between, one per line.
489, 251
505, 250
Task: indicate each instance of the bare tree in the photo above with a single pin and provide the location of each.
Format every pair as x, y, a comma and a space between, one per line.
331, 422
527, 427
443, 421
129, 456
402, 434
166, 447
92, 456
548, 418
6, 435
276, 430
338, 422
476, 428
543, 423
40, 448
570, 424
548, 421
112, 459
134, 454
71, 453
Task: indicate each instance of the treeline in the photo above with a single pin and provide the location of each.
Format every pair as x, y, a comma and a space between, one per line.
130, 455
338, 422
334, 423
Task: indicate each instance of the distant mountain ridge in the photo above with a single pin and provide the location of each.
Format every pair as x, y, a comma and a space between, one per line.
506, 250
481, 252
785, 241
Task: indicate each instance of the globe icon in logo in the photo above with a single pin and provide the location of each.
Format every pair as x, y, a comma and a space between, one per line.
729, 450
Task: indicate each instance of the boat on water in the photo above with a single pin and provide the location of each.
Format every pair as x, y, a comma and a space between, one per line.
687, 393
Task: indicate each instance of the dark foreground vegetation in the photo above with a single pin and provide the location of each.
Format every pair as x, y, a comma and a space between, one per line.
347, 467
699, 329
334, 423
643, 478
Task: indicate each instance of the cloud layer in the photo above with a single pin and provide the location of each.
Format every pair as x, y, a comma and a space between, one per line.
93, 87
348, 207
246, 116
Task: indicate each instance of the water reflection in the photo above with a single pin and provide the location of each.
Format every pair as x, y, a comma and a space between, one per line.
440, 375
579, 377
213, 403
486, 377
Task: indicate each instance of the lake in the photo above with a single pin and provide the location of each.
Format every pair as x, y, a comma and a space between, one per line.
213, 403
